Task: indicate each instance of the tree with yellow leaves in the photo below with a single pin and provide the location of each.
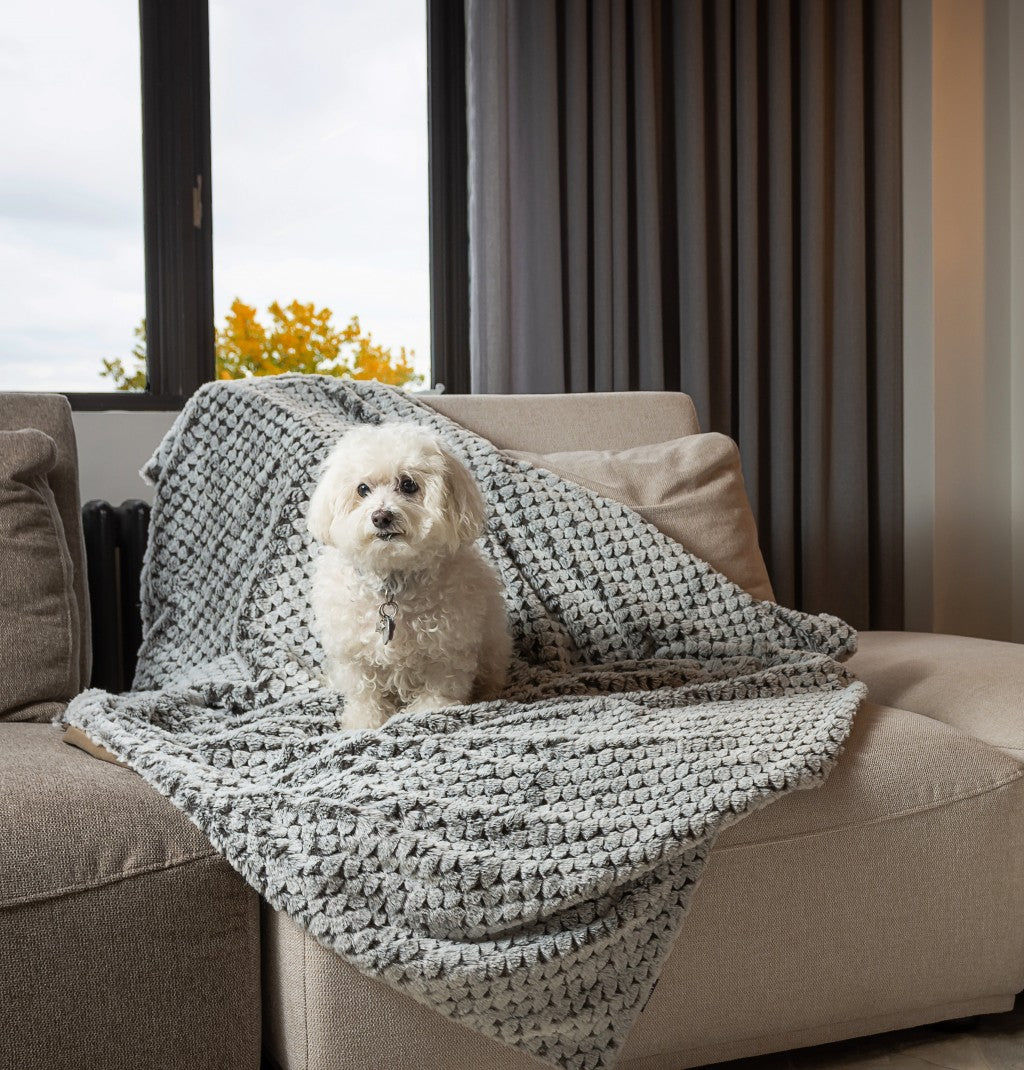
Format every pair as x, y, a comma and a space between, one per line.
132, 376
300, 338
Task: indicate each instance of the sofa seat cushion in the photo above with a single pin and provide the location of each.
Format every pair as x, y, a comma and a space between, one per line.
895, 763
976, 685
125, 940
889, 897
71, 822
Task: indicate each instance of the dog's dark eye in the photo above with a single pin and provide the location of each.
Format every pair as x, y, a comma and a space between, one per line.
362, 490
407, 485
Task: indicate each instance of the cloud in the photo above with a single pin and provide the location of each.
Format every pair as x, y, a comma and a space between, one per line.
320, 161
71, 257
319, 176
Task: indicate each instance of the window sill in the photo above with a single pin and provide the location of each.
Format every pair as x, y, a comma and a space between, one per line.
125, 401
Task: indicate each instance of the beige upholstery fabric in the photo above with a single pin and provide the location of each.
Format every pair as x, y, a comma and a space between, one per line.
321, 1013
40, 664
51, 414
977, 685
125, 941
546, 423
690, 489
888, 904
889, 897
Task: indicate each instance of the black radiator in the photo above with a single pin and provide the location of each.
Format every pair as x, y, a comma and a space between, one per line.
115, 542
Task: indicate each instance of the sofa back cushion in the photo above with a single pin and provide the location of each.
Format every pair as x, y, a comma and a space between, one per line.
51, 414
546, 423
690, 489
40, 630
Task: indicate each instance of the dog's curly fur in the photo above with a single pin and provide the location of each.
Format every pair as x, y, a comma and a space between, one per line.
399, 516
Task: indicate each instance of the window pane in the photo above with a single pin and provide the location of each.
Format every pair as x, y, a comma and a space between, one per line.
319, 140
71, 254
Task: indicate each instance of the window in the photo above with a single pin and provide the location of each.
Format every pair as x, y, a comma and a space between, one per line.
71, 230
319, 137
317, 198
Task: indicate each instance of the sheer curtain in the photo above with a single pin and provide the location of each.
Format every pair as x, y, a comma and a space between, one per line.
706, 197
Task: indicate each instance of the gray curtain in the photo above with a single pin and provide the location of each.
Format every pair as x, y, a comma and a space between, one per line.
706, 197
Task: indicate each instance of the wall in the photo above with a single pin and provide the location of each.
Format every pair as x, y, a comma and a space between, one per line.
1015, 50
963, 122
112, 447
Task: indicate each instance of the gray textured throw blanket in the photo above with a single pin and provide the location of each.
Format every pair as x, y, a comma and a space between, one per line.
521, 865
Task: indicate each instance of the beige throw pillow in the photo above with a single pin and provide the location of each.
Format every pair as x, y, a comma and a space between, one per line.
39, 655
691, 489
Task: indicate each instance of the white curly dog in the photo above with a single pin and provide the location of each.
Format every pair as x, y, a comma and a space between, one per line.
410, 614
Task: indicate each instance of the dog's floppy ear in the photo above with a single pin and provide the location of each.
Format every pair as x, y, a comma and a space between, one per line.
465, 503
321, 513
324, 503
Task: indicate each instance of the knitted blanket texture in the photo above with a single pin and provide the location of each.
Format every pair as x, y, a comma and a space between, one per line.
521, 865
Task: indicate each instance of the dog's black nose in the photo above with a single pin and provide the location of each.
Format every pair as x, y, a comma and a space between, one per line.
382, 518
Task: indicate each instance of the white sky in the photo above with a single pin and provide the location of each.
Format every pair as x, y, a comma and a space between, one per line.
319, 175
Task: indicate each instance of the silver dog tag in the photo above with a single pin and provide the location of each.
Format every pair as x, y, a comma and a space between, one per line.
386, 625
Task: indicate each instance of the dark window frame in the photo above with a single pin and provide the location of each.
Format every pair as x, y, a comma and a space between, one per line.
449, 195
178, 222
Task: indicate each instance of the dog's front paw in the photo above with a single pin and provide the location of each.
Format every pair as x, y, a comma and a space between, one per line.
434, 701
359, 716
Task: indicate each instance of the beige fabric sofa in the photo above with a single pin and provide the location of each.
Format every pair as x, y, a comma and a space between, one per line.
890, 897
125, 940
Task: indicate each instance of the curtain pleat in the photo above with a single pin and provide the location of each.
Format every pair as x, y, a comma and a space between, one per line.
884, 313
705, 196
489, 151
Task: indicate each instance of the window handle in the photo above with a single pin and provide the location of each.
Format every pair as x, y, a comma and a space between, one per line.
197, 203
